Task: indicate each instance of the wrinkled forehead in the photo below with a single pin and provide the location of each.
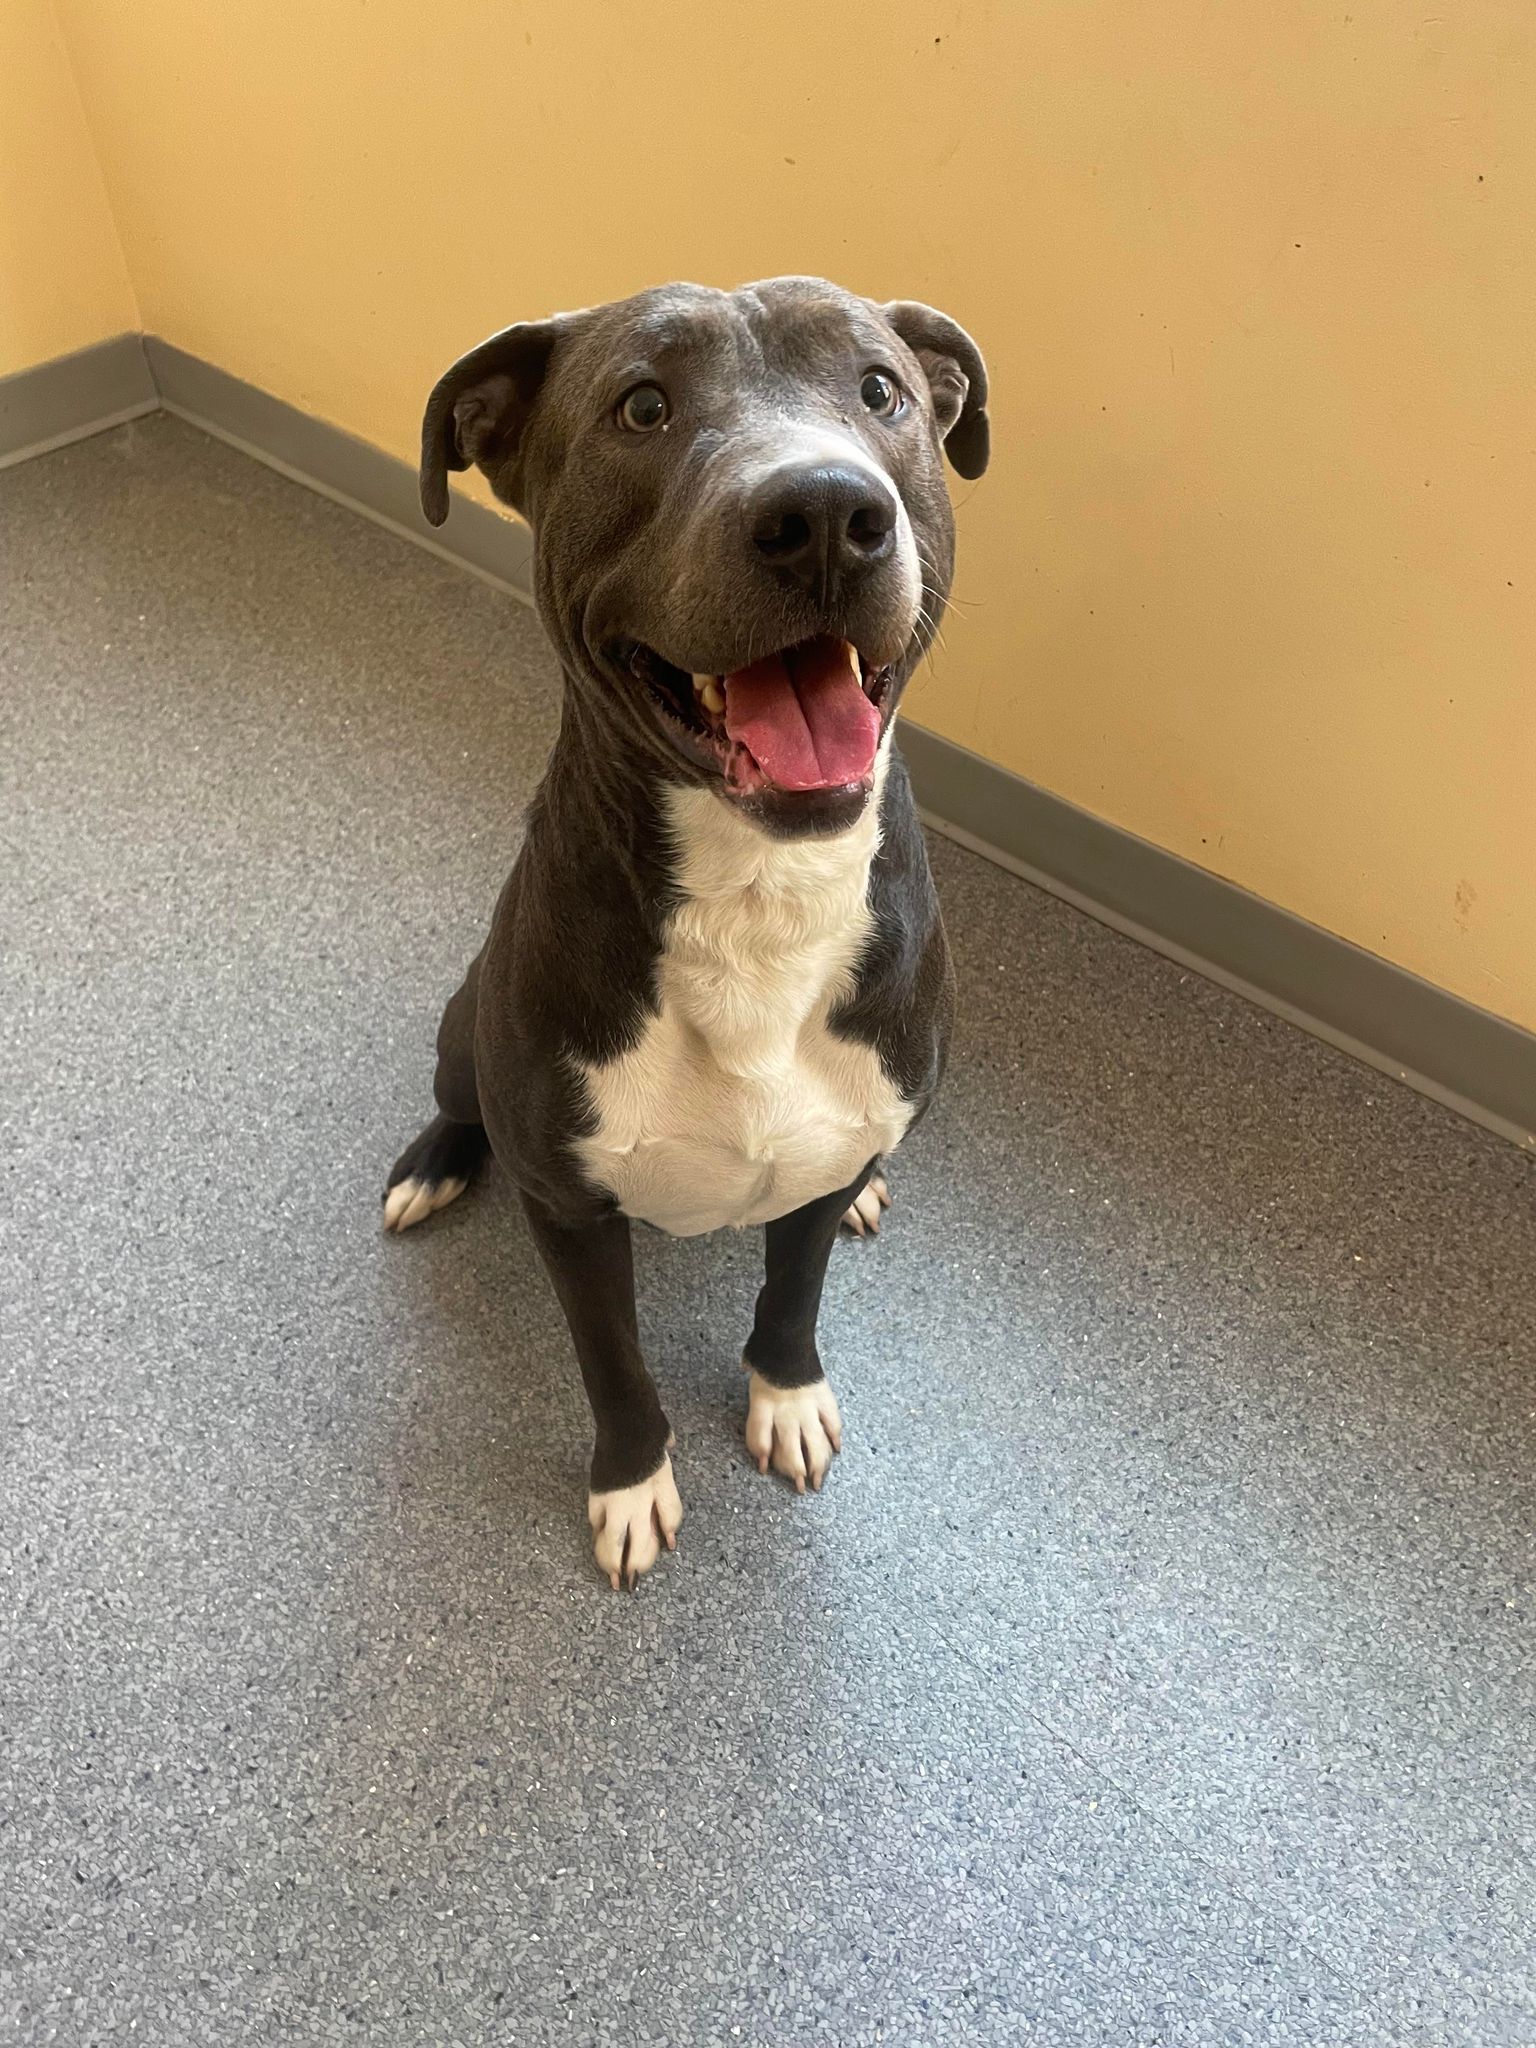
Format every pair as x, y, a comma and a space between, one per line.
782, 330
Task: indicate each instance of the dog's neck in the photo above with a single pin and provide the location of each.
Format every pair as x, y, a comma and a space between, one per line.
719, 854
687, 839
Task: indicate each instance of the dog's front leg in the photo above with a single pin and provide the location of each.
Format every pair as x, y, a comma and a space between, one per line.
792, 1418
633, 1505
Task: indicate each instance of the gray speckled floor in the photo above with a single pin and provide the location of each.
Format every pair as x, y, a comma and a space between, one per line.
1158, 1666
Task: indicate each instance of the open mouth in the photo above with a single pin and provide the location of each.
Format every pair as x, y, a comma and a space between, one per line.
806, 718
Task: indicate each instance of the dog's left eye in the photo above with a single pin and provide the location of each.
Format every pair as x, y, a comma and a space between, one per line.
643, 409
880, 393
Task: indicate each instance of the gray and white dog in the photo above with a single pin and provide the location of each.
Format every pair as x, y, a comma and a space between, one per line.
716, 988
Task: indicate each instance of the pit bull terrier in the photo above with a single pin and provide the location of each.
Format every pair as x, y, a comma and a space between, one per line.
716, 989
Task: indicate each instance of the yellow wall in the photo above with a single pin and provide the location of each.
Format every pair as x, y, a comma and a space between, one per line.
1253, 573
63, 283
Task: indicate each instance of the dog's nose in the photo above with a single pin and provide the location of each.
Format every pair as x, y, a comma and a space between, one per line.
823, 523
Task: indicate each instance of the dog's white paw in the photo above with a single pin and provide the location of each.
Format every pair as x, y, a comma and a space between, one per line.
797, 1430
862, 1215
630, 1524
413, 1201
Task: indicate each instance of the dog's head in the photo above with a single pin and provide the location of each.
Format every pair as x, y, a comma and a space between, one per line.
743, 538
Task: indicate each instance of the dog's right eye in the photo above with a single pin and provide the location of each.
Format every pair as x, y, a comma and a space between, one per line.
643, 409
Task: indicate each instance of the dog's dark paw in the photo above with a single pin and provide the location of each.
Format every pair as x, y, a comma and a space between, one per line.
432, 1171
862, 1216
412, 1201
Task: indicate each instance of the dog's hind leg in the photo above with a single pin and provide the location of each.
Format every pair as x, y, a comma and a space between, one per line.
441, 1161
433, 1170
861, 1218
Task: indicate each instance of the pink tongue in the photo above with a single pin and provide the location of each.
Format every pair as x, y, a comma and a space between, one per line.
803, 716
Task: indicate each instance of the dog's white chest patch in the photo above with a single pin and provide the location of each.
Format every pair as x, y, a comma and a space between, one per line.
739, 1104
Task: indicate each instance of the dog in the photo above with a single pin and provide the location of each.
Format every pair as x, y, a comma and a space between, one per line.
716, 989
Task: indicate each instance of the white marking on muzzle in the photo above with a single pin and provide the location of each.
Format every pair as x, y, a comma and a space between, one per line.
794, 444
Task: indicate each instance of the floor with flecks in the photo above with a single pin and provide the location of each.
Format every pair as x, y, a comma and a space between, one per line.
1157, 1666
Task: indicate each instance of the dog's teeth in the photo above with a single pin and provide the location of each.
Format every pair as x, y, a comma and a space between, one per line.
853, 661
710, 692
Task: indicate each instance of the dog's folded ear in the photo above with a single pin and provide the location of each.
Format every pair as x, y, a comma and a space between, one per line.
479, 411
957, 378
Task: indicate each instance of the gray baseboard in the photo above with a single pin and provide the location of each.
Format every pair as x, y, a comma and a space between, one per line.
1478, 1064
55, 403
337, 464
1473, 1062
